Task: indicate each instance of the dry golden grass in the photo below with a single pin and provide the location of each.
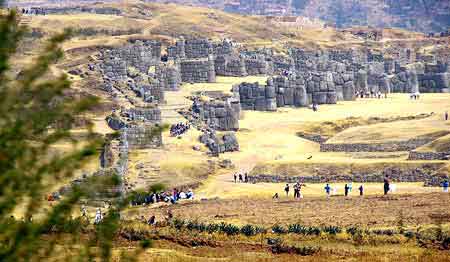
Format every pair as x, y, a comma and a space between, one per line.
441, 144
268, 140
368, 211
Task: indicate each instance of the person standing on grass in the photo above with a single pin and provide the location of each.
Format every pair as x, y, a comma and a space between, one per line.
240, 178
235, 178
246, 178
386, 185
286, 189
327, 190
296, 191
445, 186
361, 190
300, 185
346, 188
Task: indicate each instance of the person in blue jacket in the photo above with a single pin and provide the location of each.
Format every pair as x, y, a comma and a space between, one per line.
327, 190
445, 185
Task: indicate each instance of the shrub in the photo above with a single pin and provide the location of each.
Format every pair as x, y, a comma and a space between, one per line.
212, 228
277, 229
354, 230
297, 229
248, 230
332, 230
314, 231
387, 232
178, 223
229, 229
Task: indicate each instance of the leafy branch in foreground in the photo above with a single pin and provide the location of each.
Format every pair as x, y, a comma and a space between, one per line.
35, 116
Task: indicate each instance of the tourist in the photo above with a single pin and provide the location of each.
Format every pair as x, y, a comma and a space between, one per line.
350, 187
235, 178
190, 194
240, 178
286, 189
446, 115
296, 191
151, 221
346, 190
445, 185
182, 195
246, 178
386, 185
327, 190
98, 217
83, 211
175, 194
314, 107
361, 190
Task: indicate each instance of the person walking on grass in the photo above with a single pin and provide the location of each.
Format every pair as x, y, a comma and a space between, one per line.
246, 178
235, 178
240, 178
361, 190
446, 115
386, 185
346, 189
286, 189
327, 190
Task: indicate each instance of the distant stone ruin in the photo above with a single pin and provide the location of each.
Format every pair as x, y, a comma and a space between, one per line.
296, 90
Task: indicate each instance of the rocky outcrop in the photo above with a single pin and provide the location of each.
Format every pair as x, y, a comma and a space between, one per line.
218, 144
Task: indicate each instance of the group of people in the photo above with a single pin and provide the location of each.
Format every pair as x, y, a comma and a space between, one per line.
151, 221
179, 129
242, 178
172, 197
414, 96
370, 94
297, 190
33, 11
348, 187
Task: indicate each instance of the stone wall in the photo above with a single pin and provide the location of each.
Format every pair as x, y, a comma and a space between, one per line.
140, 54
297, 90
395, 175
141, 136
415, 155
393, 146
228, 65
405, 82
219, 115
258, 65
150, 114
169, 76
198, 70
197, 48
78, 9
